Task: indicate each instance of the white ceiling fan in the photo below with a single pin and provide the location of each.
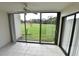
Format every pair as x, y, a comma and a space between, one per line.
27, 9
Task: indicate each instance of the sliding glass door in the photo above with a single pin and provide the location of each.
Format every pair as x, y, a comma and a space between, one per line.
38, 27
68, 25
67, 33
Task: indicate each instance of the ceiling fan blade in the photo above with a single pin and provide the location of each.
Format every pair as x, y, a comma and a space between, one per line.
27, 9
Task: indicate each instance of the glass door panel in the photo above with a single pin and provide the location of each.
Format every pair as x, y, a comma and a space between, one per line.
67, 31
48, 27
32, 27
19, 26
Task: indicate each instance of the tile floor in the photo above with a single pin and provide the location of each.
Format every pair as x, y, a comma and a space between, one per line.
30, 49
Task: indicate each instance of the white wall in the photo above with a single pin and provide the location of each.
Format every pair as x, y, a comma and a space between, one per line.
4, 29
17, 24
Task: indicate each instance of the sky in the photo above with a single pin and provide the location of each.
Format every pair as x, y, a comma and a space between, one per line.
30, 16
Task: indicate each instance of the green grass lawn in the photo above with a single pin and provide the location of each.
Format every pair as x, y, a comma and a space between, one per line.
33, 30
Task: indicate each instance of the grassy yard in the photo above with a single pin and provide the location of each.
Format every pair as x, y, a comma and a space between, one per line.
33, 32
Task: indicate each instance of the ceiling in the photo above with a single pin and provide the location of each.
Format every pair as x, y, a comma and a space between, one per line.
33, 6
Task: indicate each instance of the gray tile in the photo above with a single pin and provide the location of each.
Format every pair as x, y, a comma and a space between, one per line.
29, 49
